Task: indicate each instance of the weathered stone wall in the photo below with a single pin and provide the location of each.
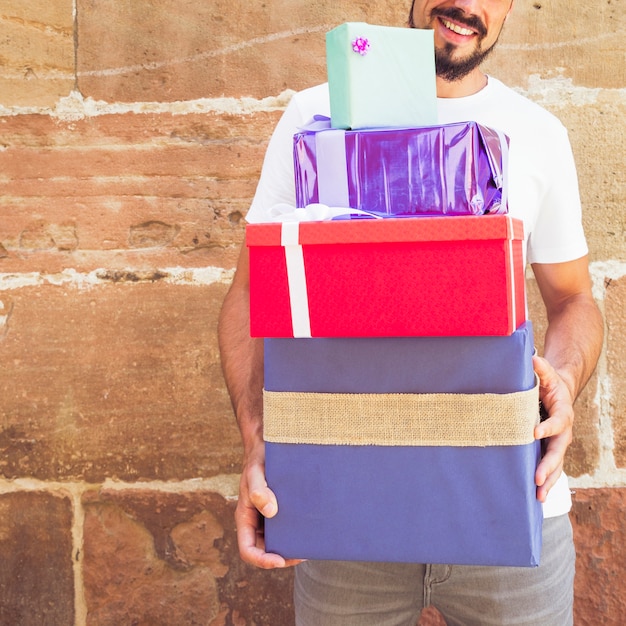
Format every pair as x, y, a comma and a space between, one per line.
131, 137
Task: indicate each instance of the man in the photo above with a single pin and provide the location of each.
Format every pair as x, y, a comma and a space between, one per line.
543, 192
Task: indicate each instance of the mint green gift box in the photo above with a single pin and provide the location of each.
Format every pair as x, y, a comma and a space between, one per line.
381, 76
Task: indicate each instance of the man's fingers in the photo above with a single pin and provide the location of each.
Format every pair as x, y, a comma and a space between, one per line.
556, 430
252, 550
261, 496
264, 500
558, 423
251, 542
256, 499
250, 537
551, 465
552, 461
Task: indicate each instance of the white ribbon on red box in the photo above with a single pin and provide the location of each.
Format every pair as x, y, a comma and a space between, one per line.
296, 279
294, 256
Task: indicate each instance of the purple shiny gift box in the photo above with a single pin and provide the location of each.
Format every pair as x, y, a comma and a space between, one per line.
453, 169
402, 364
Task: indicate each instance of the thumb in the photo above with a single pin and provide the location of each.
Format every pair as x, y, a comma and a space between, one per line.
542, 369
548, 376
261, 496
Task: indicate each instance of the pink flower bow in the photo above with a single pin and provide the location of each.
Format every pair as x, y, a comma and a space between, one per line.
361, 45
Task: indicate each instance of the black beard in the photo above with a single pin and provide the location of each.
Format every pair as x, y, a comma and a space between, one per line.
449, 69
445, 66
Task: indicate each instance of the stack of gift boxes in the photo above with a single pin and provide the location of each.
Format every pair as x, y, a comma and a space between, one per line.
400, 398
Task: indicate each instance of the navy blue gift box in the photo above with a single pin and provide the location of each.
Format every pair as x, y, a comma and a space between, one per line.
409, 483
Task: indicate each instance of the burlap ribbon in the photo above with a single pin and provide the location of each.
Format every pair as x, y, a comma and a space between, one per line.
401, 419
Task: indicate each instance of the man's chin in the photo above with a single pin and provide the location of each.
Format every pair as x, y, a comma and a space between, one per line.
452, 69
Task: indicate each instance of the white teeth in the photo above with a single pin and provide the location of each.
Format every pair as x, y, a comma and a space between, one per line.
457, 29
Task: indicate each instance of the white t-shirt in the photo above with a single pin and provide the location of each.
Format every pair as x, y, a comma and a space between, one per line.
542, 192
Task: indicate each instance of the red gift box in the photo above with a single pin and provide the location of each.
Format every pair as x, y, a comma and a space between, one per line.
425, 276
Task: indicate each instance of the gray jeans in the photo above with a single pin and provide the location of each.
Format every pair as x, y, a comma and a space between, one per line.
337, 593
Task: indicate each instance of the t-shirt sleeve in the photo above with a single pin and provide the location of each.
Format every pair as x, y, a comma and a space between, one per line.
557, 235
276, 184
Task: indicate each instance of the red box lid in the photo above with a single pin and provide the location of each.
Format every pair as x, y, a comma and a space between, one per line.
392, 230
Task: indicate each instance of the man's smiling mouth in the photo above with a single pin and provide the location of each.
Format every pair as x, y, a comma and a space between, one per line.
455, 28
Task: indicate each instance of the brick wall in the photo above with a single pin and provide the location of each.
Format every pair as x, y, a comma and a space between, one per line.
131, 137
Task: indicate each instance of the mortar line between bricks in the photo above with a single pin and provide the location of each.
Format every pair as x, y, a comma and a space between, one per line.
601, 479
75, 38
606, 473
601, 271
606, 462
75, 107
78, 526
606, 466
225, 485
209, 275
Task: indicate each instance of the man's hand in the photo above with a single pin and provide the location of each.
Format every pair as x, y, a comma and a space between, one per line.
242, 364
256, 500
557, 429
